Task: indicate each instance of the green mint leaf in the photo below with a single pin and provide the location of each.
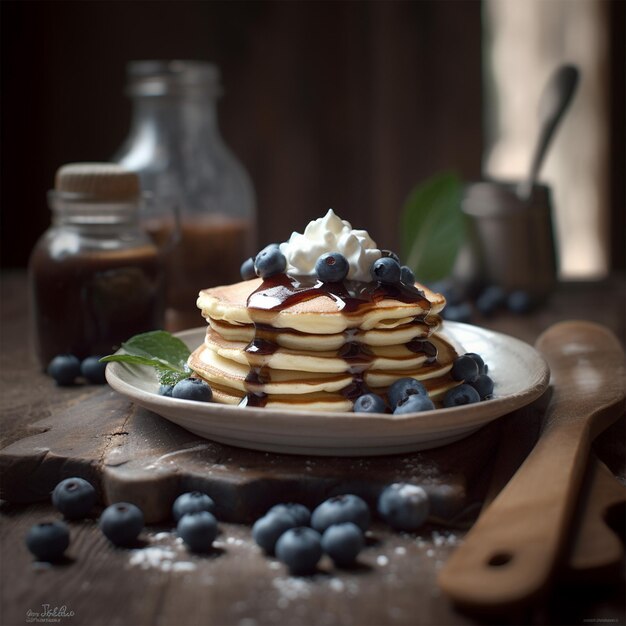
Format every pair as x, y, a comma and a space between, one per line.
432, 227
158, 349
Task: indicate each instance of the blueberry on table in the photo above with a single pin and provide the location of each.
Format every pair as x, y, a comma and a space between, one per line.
247, 269
74, 497
270, 261
484, 385
386, 271
299, 512
490, 300
198, 530
192, 502
343, 542
48, 541
414, 404
519, 302
463, 394
404, 506
403, 388
121, 523
192, 389
369, 403
461, 312
64, 368
93, 370
267, 529
300, 549
465, 368
406, 275
332, 267
339, 509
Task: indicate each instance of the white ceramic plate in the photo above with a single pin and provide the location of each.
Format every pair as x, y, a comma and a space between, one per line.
520, 373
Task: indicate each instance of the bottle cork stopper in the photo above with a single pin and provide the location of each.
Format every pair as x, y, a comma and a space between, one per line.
97, 182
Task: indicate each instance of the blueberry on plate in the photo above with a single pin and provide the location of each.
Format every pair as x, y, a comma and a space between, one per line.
270, 261
386, 271
247, 269
344, 508
267, 529
484, 385
465, 368
404, 506
198, 530
482, 368
121, 523
407, 277
74, 497
166, 390
414, 404
93, 370
463, 394
343, 542
192, 389
192, 502
64, 368
332, 267
48, 540
299, 512
300, 549
369, 403
403, 388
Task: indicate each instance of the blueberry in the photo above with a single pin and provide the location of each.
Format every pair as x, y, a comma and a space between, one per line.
270, 527
332, 267
247, 269
369, 403
74, 497
407, 276
463, 394
338, 509
403, 388
391, 255
414, 404
192, 502
48, 540
198, 530
300, 549
64, 368
461, 312
299, 512
490, 300
484, 385
519, 302
482, 368
465, 368
192, 389
270, 261
121, 523
404, 506
449, 291
166, 390
342, 543
386, 270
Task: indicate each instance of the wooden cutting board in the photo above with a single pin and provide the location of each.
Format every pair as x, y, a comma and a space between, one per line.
133, 455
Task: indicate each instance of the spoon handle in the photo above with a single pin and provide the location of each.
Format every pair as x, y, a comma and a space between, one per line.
554, 101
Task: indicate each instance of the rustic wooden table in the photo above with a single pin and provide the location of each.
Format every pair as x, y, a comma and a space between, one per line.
161, 584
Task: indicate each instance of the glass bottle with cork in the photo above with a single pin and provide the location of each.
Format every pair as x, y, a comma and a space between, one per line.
176, 148
95, 277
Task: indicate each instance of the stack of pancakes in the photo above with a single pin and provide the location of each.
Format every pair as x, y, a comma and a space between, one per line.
283, 344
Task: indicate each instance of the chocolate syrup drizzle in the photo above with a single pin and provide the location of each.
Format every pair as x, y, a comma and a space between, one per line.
351, 297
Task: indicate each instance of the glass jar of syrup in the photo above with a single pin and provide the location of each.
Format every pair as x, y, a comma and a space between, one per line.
95, 277
175, 146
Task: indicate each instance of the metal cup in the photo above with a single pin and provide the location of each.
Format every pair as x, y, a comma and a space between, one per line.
511, 240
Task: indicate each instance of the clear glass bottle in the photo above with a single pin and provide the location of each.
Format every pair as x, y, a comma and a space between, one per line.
175, 146
95, 277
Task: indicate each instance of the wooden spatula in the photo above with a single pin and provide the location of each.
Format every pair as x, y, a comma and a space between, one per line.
509, 556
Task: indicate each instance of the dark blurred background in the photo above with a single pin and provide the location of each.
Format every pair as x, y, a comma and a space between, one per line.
327, 104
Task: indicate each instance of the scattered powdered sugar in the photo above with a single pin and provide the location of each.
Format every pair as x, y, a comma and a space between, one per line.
382, 560
166, 553
291, 589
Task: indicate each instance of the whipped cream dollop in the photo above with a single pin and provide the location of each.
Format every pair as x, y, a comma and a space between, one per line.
330, 234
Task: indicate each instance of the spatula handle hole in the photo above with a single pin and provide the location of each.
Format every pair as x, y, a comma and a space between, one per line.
499, 559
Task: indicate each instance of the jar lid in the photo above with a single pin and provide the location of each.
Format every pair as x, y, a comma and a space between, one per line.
97, 182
